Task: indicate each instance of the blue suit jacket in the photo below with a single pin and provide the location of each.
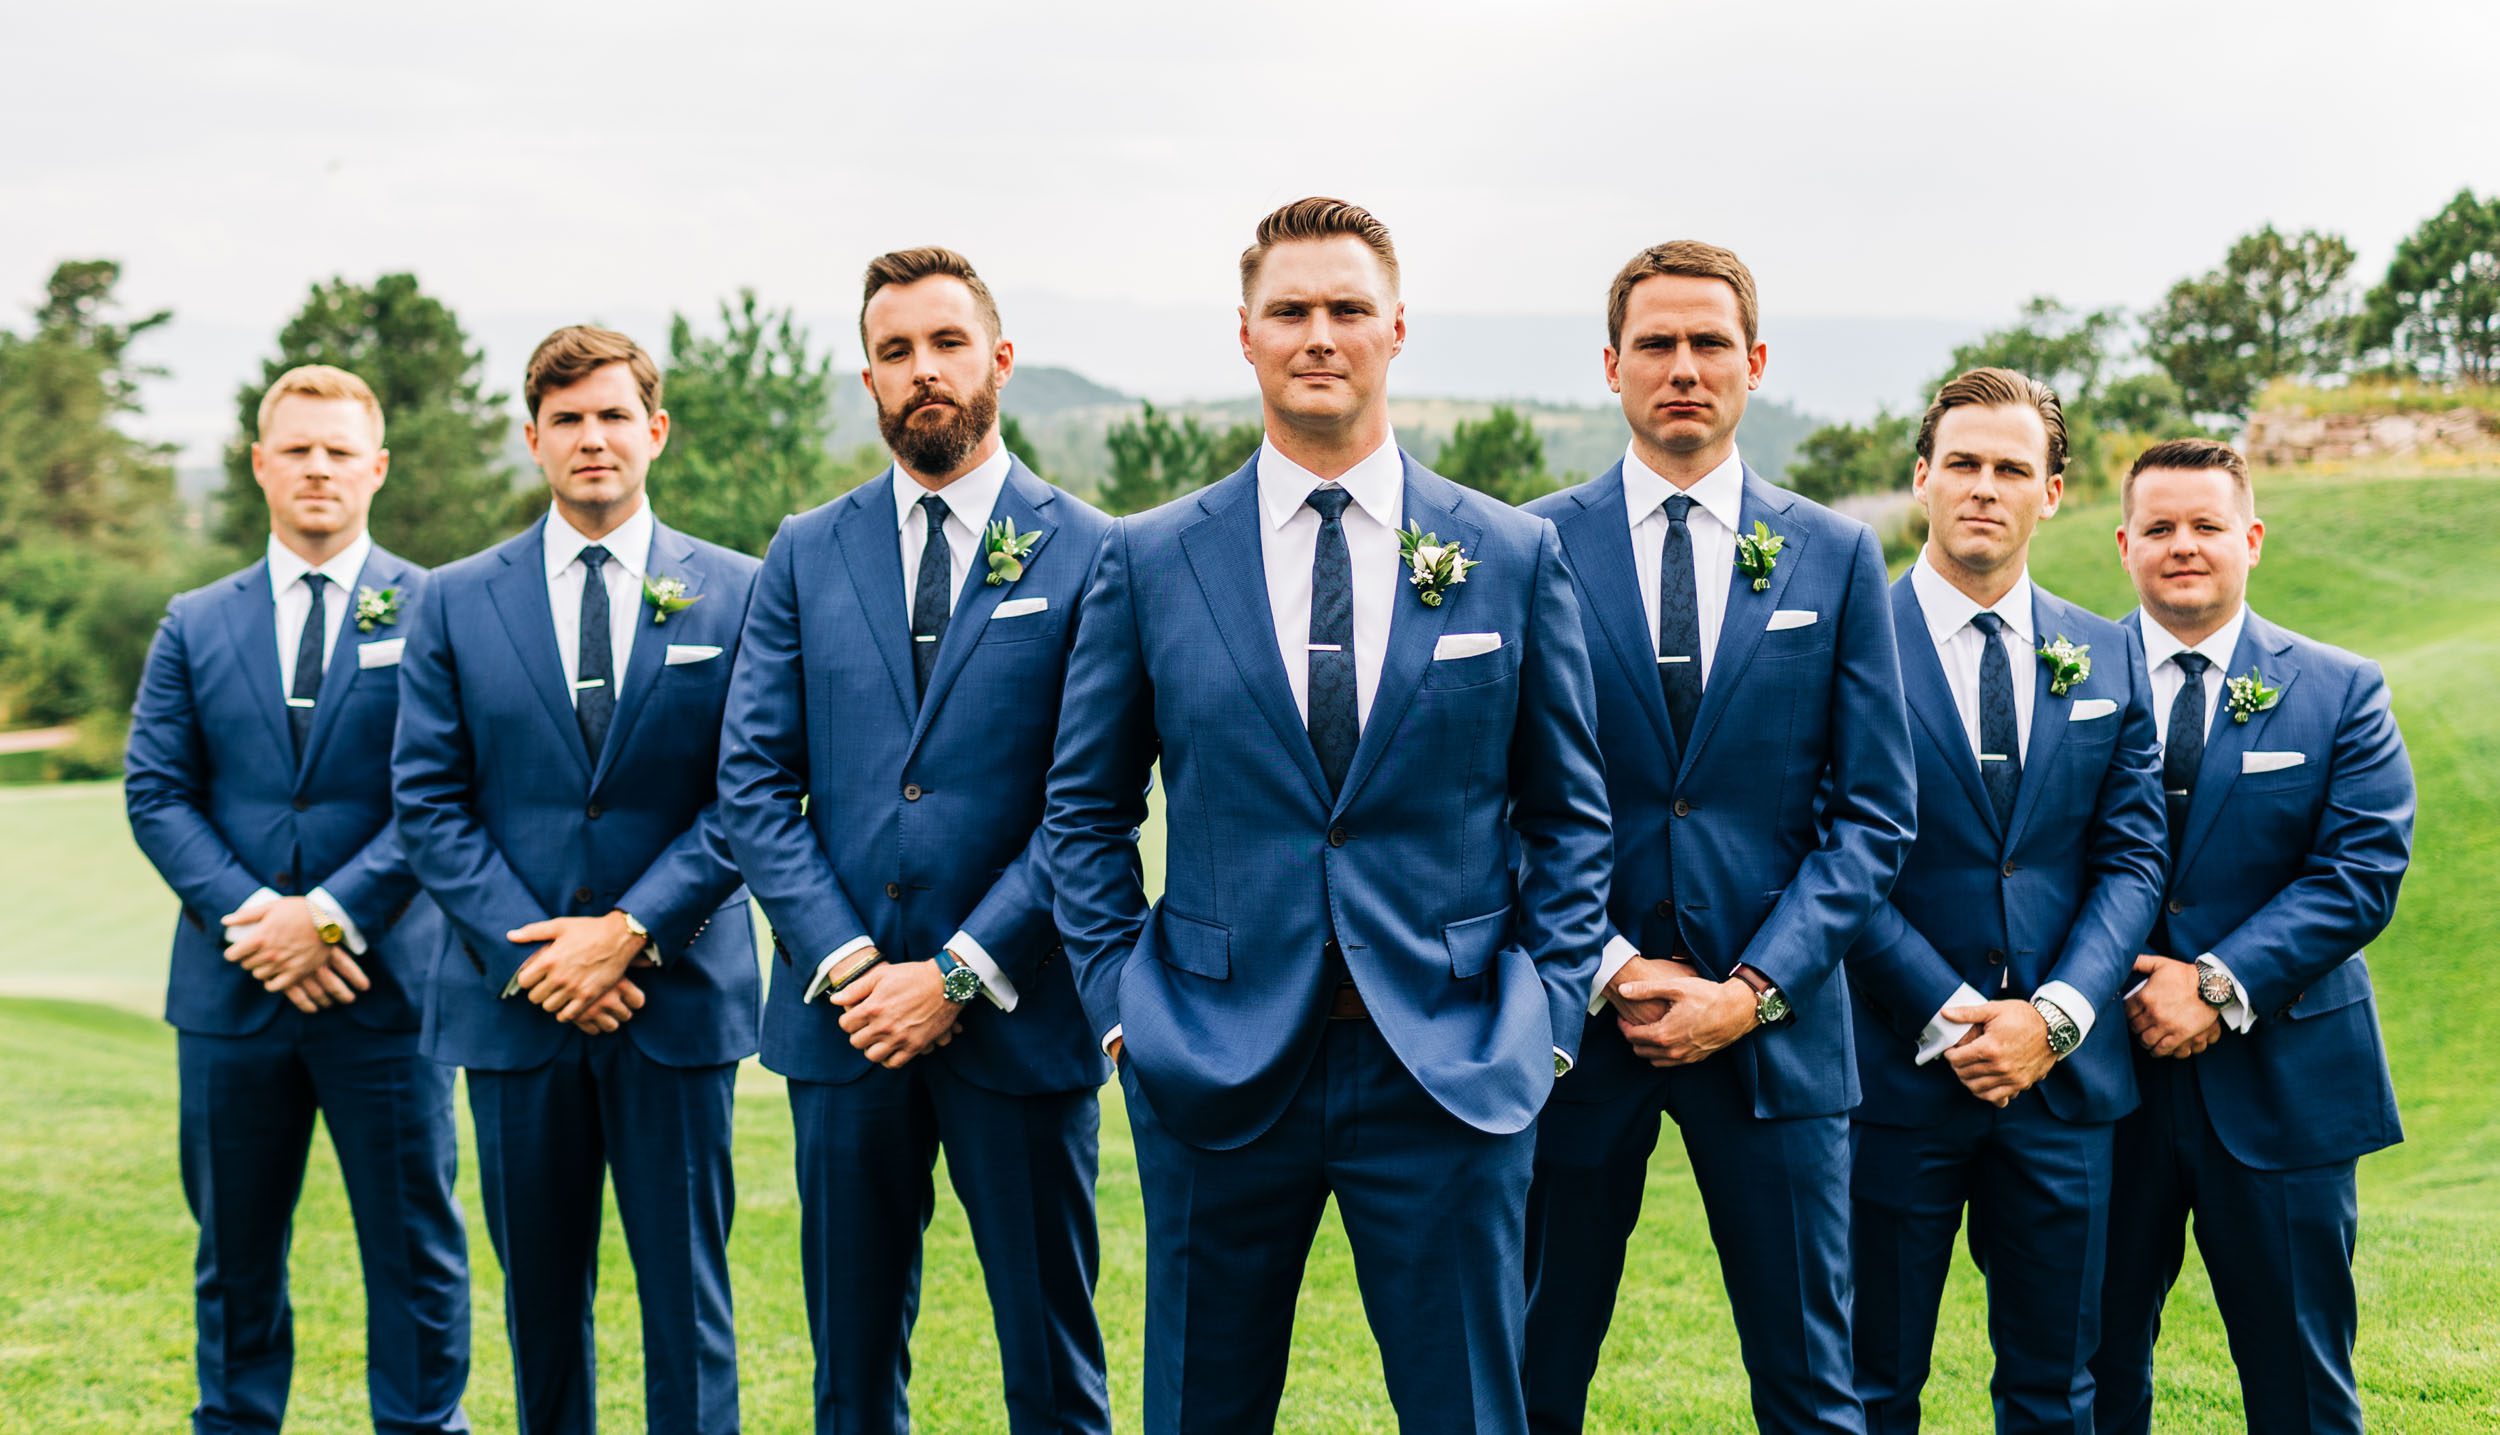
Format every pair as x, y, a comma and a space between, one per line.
921, 818
2286, 876
2068, 894
1774, 838
1472, 974
219, 803
508, 821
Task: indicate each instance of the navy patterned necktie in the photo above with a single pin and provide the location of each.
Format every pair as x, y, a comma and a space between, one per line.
2000, 737
307, 688
1332, 720
594, 692
932, 596
1679, 624
2184, 751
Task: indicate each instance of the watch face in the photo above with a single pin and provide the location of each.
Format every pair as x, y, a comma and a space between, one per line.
962, 985
1769, 1007
2214, 986
332, 933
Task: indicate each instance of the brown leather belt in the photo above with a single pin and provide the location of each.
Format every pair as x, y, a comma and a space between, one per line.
1347, 1004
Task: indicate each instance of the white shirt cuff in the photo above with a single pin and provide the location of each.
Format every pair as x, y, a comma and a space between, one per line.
825, 968
1111, 1036
240, 930
994, 983
327, 908
2238, 1015
2070, 1002
1940, 1034
1618, 951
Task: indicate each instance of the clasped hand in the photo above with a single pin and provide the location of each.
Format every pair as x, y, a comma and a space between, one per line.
2005, 1052
286, 955
2166, 1013
1674, 1016
895, 1012
578, 977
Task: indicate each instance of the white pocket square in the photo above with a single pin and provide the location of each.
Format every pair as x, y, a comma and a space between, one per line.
2090, 708
1787, 618
1464, 645
690, 653
384, 654
1018, 607
2271, 761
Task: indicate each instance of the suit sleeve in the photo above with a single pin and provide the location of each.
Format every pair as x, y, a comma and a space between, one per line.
1900, 973
1099, 770
433, 771
2346, 892
1558, 800
2124, 859
763, 773
165, 784
1869, 798
693, 875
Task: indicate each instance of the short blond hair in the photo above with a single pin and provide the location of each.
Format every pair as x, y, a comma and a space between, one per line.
320, 381
1318, 217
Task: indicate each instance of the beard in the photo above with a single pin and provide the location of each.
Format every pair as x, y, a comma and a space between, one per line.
939, 449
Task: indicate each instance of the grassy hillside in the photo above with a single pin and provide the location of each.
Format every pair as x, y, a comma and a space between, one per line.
94, 1313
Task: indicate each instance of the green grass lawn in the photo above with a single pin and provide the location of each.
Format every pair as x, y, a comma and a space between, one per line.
94, 1286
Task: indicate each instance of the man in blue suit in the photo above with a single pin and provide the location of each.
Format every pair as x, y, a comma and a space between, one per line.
1999, 963
900, 673
2264, 1079
1347, 988
555, 776
1758, 772
257, 783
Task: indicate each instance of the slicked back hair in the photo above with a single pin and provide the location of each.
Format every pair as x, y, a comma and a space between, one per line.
1997, 388
2192, 454
320, 381
929, 261
1694, 259
1318, 217
575, 352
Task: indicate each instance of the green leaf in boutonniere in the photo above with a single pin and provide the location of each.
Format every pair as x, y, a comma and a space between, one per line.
2250, 696
1758, 552
1005, 550
1434, 567
2069, 664
667, 597
376, 608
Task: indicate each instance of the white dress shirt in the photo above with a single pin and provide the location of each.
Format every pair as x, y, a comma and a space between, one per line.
1960, 646
2161, 650
629, 562
1291, 540
969, 501
1718, 497
286, 584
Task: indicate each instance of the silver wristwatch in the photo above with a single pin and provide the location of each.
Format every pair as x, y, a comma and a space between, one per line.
2064, 1035
2214, 984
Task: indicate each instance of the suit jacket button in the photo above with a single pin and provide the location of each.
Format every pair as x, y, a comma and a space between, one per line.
1683, 808
592, 812
911, 792
581, 894
2176, 906
1665, 908
2008, 870
302, 806
281, 878
1336, 837
1996, 958
894, 891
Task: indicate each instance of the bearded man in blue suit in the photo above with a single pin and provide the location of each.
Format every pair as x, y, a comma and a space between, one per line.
1348, 987
258, 784
2264, 1078
900, 677
1758, 772
556, 783
1999, 963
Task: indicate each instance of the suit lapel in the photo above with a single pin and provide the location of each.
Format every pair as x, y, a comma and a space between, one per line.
529, 620
1022, 499
1599, 540
872, 554
1747, 616
252, 627
672, 556
1414, 627
2262, 647
1922, 674
381, 570
1225, 551
2050, 715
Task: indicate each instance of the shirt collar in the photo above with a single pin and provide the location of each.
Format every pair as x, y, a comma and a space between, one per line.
629, 547
2161, 645
287, 567
969, 499
1378, 484
1949, 609
1721, 491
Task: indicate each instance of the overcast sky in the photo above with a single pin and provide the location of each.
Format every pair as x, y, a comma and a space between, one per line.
1896, 160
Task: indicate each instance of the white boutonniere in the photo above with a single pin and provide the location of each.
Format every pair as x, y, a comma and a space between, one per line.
1758, 552
1434, 567
1005, 550
2249, 696
376, 608
2069, 664
667, 597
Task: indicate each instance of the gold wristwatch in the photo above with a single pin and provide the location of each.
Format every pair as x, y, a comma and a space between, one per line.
330, 933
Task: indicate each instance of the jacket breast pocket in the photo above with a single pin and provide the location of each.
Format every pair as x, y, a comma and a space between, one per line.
1451, 674
1023, 628
1473, 942
1199, 948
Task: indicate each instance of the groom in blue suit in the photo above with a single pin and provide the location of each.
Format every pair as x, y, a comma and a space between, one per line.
1999, 964
900, 672
2258, 1053
555, 779
257, 784
1385, 880
1758, 772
